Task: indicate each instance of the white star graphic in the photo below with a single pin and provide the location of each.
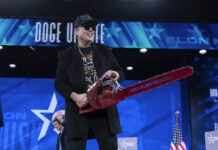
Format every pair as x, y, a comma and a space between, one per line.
196, 31
115, 29
46, 121
25, 27
212, 139
155, 32
4, 42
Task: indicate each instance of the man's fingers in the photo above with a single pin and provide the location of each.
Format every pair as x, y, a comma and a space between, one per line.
83, 103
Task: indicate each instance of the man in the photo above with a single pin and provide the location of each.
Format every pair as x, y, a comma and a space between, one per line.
59, 125
79, 67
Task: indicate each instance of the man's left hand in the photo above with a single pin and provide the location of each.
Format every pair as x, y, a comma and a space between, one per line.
112, 74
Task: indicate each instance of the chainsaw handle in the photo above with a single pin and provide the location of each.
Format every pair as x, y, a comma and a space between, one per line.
112, 75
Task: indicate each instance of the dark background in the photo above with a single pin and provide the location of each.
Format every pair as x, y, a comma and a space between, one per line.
41, 62
141, 10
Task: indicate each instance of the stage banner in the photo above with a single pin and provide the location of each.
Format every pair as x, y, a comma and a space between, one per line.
29, 105
116, 34
204, 99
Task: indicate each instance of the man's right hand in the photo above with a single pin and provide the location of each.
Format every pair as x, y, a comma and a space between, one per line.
79, 99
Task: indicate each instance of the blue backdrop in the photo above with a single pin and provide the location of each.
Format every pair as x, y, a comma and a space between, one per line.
29, 104
117, 34
204, 99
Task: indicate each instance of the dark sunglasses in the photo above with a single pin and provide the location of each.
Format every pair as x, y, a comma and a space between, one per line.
88, 26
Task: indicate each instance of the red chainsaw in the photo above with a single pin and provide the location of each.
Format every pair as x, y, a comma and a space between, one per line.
107, 92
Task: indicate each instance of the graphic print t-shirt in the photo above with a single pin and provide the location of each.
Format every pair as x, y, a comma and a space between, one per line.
89, 68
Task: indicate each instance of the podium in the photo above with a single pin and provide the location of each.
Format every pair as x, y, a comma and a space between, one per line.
211, 140
128, 143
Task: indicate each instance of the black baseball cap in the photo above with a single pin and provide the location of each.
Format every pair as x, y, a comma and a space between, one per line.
84, 19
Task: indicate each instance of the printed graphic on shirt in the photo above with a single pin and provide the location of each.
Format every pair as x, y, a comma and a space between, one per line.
89, 71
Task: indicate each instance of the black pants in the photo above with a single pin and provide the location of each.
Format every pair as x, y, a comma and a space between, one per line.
104, 143
99, 128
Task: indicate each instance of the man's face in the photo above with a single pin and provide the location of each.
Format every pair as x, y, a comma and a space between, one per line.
85, 34
58, 126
